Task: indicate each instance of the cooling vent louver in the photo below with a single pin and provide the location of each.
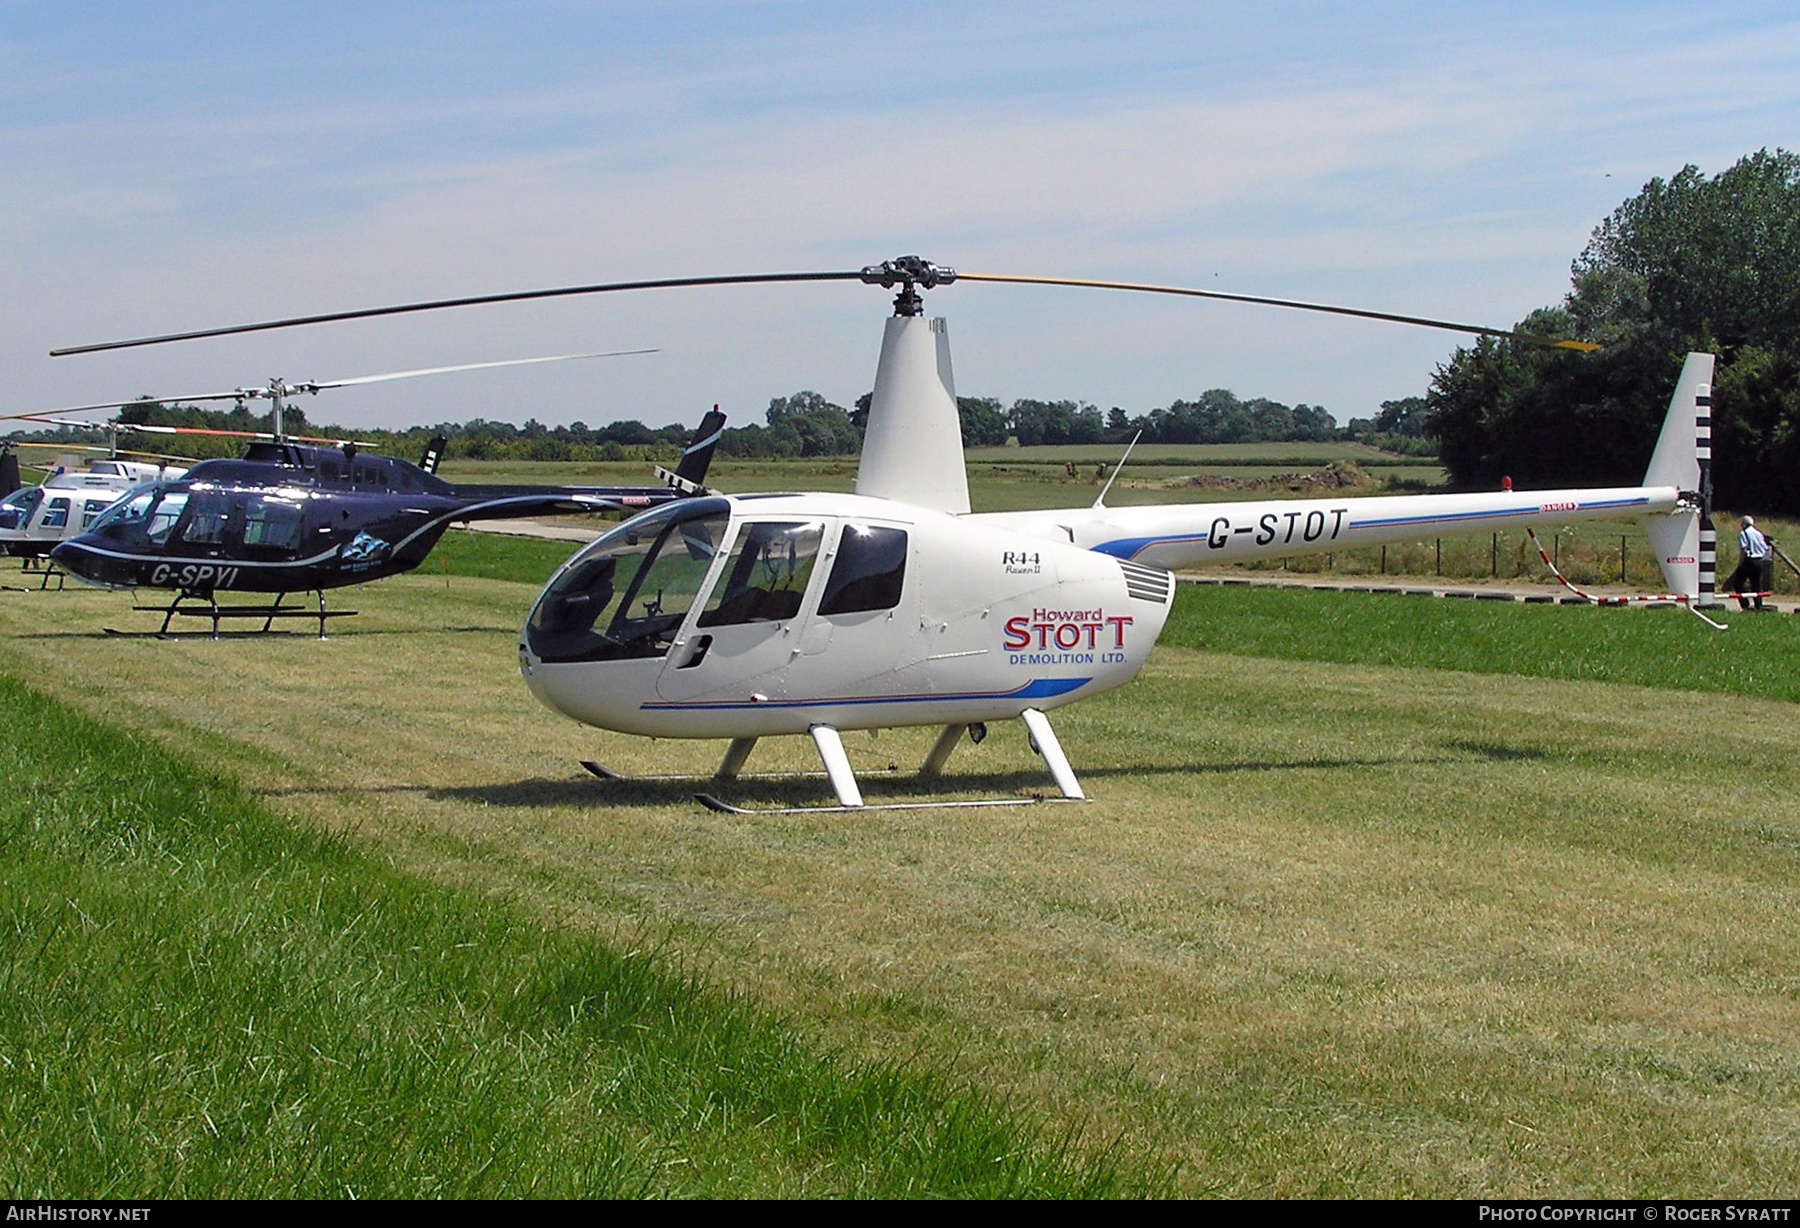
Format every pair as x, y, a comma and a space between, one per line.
1148, 583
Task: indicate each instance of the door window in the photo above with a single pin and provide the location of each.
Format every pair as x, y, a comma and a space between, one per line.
869, 572
766, 575
19, 505
207, 518
164, 514
272, 524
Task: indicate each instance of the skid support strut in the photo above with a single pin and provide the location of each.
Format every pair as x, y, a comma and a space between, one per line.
1043, 741
735, 754
837, 765
940, 750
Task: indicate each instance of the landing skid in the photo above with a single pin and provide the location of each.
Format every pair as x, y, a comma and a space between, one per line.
206, 605
46, 571
713, 803
843, 780
601, 771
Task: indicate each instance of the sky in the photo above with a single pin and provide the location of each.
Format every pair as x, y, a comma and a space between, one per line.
167, 166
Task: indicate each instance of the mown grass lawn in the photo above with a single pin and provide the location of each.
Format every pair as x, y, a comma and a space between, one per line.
1377, 895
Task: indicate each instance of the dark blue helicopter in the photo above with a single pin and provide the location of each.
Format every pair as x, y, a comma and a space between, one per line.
297, 518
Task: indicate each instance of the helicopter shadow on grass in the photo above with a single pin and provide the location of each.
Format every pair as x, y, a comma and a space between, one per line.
898, 784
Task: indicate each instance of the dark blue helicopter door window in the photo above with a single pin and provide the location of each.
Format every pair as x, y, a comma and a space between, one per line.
271, 528
208, 514
163, 515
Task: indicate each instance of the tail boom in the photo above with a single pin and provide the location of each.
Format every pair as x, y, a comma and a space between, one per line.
1193, 535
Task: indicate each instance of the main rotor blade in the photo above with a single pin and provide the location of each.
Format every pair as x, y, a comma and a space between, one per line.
223, 434
893, 273
467, 366
59, 446
149, 428
1187, 292
43, 415
517, 296
245, 394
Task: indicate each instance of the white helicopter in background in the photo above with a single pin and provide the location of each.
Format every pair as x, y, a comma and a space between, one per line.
760, 615
35, 519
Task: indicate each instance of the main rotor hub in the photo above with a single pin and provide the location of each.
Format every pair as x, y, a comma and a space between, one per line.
911, 274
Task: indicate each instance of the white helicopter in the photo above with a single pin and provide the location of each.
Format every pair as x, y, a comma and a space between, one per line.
784, 614
35, 519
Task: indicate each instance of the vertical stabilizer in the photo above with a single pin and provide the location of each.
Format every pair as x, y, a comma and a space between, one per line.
696, 458
912, 447
1686, 440
1685, 543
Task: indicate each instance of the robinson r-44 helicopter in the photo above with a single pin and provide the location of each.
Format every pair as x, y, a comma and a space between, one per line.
297, 517
786, 614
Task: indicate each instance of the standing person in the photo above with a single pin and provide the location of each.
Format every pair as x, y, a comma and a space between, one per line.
1756, 566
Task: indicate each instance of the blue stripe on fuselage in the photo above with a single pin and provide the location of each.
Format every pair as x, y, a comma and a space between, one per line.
1039, 688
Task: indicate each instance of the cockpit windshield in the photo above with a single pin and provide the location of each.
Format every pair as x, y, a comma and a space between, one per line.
132, 508
17, 507
626, 595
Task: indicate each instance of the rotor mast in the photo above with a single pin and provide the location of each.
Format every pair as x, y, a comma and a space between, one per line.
911, 274
912, 447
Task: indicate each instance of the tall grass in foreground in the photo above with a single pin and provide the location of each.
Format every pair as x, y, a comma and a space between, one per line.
1759, 655
197, 1000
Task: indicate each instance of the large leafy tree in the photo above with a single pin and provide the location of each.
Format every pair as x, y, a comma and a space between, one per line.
1689, 263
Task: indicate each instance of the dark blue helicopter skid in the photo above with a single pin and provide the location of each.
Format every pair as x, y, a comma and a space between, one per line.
213, 610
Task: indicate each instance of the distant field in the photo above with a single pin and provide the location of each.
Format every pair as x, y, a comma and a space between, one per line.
1379, 896
1010, 479
1258, 454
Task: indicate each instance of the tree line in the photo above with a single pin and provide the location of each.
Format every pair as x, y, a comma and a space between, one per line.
1690, 263
806, 424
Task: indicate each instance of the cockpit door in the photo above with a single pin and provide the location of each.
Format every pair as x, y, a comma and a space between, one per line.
736, 644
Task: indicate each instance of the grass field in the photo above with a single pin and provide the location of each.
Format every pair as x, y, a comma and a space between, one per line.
1013, 479
203, 1001
1475, 901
